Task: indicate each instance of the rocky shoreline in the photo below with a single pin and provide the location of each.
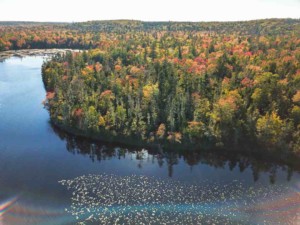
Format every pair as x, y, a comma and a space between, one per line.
32, 52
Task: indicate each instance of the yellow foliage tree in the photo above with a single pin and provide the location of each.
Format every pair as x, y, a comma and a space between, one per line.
270, 128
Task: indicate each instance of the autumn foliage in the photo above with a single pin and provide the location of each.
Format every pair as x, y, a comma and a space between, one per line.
226, 84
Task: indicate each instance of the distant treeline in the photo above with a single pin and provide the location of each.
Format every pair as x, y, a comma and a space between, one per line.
86, 35
254, 27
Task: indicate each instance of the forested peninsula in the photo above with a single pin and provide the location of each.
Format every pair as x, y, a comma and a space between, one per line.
233, 85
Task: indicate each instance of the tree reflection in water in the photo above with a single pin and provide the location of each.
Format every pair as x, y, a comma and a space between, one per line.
98, 151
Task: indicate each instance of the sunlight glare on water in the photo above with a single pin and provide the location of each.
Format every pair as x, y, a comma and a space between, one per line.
105, 198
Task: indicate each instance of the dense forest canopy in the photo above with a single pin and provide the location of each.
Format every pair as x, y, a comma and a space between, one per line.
222, 84
85, 35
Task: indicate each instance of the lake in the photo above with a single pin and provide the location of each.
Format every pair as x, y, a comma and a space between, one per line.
50, 177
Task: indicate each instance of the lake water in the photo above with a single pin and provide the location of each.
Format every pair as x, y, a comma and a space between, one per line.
50, 177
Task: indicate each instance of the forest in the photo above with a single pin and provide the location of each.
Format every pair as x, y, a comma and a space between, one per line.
94, 34
215, 85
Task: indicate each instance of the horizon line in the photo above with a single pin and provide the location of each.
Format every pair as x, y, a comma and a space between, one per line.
159, 21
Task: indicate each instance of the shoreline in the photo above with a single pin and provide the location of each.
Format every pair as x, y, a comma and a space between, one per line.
33, 52
106, 137
288, 159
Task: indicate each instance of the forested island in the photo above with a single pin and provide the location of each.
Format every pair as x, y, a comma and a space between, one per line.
233, 85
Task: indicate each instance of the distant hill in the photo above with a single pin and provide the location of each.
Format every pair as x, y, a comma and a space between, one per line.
254, 27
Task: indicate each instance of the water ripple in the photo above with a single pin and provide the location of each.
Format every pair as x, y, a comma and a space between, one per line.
111, 199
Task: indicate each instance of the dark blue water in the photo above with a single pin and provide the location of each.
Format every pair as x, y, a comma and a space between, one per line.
35, 157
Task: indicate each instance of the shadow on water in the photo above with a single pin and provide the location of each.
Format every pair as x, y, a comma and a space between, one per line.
98, 151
